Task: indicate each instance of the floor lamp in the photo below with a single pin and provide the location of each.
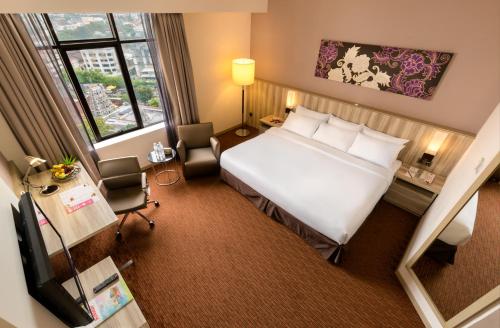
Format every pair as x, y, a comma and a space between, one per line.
243, 74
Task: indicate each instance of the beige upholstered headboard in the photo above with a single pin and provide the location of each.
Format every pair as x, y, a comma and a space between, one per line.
265, 98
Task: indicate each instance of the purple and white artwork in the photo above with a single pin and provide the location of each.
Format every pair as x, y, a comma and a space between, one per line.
409, 72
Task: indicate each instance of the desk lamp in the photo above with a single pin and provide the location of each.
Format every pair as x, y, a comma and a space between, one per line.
34, 162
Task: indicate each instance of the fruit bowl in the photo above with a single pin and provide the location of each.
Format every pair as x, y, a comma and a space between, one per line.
63, 172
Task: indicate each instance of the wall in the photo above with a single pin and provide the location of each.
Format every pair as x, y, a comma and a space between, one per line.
214, 39
137, 143
158, 6
482, 151
485, 146
285, 43
17, 307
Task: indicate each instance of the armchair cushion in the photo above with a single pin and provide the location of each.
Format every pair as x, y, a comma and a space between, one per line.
200, 161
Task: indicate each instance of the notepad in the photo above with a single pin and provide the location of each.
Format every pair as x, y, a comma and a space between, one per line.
78, 197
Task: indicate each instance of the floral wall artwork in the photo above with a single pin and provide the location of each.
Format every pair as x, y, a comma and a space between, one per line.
409, 72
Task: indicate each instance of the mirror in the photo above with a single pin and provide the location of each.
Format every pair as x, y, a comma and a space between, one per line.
462, 265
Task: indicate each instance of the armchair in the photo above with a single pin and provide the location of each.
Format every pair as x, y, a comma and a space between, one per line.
198, 149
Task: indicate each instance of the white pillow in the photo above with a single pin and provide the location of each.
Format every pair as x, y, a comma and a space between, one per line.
375, 150
301, 110
335, 136
303, 125
383, 136
344, 124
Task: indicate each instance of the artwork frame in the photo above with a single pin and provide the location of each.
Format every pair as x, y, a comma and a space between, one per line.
409, 72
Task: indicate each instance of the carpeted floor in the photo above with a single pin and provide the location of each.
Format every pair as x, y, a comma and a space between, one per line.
475, 272
214, 260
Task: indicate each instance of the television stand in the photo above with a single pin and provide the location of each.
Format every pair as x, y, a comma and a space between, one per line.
128, 316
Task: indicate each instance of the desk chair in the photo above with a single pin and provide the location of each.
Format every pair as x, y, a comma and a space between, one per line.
198, 149
126, 188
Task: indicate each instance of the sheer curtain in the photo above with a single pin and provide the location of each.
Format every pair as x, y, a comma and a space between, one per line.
169, 50
34, 100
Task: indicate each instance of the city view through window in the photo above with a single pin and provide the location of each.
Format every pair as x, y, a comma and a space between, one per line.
109, 64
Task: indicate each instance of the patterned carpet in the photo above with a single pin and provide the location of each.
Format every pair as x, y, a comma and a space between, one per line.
214, 260
475, 272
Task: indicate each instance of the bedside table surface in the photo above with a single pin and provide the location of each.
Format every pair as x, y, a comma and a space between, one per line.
434, 187
267, 120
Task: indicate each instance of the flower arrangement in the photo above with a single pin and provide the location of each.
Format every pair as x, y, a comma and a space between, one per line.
65, 170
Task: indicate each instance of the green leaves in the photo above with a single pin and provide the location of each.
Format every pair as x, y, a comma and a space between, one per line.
68, 160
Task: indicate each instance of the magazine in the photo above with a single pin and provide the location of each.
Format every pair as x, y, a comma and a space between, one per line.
109, 301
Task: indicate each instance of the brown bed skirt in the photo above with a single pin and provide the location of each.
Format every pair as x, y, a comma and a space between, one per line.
328, 248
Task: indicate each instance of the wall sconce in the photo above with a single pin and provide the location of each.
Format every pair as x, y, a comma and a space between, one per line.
433, 147
291, 101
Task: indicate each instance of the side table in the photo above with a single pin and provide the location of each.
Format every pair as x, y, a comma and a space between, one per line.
172, 174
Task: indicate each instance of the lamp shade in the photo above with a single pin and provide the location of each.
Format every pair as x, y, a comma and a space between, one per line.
243, 71
34, 161
435, 144
291, 99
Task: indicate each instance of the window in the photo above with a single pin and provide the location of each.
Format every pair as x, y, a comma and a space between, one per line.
110, 69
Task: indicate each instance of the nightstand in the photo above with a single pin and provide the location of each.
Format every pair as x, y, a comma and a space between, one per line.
413, 194
269, 121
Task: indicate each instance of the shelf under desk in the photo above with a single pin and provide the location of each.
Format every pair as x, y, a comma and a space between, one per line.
129, 316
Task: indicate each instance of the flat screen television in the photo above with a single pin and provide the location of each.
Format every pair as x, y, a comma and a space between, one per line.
38, 270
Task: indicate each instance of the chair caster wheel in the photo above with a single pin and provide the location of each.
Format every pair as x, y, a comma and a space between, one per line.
157, 203
151, 224
118, 236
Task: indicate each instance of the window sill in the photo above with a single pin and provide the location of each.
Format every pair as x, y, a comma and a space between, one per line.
128, 136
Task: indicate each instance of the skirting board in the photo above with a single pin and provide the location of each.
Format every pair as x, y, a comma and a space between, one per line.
268, 98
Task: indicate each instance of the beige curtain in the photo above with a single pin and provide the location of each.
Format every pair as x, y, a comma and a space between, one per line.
173, 54
31, 103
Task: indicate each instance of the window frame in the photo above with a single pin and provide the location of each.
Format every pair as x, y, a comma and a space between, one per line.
113, 42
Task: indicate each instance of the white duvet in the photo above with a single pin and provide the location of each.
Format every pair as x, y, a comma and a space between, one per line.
325, 188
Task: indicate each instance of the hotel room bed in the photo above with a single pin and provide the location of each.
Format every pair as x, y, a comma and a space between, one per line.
323, 194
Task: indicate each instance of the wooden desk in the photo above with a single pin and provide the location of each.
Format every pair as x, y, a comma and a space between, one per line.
75, 227
128, 316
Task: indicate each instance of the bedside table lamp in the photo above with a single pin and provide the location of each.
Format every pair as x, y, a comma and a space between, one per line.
291, 98
243, 74
433, 147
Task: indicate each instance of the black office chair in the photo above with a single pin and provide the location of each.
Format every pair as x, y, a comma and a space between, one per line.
126, 188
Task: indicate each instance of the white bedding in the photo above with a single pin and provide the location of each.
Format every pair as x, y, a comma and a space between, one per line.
327, 189
459, 230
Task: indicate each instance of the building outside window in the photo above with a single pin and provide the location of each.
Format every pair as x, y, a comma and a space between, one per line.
109, 69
